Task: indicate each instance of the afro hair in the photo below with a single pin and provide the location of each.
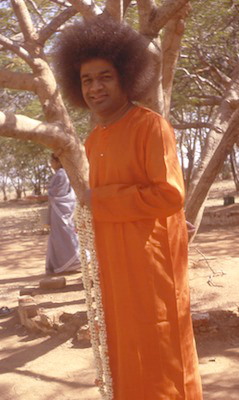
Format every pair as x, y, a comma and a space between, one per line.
107, 39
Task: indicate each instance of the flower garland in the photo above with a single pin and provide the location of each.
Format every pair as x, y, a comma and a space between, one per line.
96, 319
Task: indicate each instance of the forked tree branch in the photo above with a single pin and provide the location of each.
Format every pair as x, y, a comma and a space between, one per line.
166, 12
153, 18
16, 49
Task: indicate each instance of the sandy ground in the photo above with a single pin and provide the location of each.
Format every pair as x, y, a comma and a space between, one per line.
41, 367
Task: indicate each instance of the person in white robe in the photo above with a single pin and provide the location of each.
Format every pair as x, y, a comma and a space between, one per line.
63, 246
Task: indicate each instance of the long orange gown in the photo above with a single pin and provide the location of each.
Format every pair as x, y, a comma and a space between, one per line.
141, 243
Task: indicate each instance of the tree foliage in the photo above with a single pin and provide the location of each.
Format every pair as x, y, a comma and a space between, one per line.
23, 166
209, 54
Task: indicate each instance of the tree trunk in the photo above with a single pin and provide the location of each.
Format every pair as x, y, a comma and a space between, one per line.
196, 202
37, 190
171, 45
18, 193
219, 144
220, 125
4, 193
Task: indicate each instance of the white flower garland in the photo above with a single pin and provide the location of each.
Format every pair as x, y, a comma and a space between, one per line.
96, 318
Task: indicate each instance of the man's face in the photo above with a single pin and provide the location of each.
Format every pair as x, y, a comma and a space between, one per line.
55, 164
101, 87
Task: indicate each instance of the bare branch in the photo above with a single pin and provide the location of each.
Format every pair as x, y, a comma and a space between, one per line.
17, 80
126, 4
15, 48
37, 11
157, 17
53, 136
171, 44
234, 103
224, 79
61, 2
216, 161
116, 8
192, 125
24, 19
199, 80
55, 23
87, 10
205, 100
25, 128
146, 8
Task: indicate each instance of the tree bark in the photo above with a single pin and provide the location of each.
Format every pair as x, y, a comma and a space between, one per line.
219, 143
171, 44
220, 125
196, 202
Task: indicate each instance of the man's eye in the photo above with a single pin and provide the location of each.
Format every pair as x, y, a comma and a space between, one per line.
106, 77
86, 81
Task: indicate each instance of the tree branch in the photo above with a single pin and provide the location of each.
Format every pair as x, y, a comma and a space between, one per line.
25, 128
160, 16
234, 103
171, 44
52, 135
115, 8
223, 78
55, 23
24, 19
15, 48
17, 80
199, 80
87, 10
192, 125
37, 11
61, 3
118, 12
206, 100
224, 147
145, 9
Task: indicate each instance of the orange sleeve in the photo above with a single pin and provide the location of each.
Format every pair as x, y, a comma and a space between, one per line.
161, 197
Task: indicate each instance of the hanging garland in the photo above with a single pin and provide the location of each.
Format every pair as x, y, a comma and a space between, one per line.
95, 311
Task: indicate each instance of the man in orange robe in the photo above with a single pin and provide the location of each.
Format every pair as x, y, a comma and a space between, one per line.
136, 196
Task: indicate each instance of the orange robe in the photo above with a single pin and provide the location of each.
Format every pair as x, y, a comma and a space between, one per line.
141, 242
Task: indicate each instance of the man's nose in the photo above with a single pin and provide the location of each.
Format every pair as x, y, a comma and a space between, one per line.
96, 85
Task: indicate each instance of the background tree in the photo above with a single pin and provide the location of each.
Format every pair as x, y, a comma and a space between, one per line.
23, 166
4, 167
205, 101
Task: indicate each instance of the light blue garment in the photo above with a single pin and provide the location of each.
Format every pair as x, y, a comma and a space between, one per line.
63, 246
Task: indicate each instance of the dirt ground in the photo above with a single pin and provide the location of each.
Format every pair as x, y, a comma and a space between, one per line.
35, 366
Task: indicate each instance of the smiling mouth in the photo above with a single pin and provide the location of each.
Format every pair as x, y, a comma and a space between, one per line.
98, 99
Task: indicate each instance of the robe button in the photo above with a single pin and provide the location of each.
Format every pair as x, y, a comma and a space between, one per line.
101, 154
